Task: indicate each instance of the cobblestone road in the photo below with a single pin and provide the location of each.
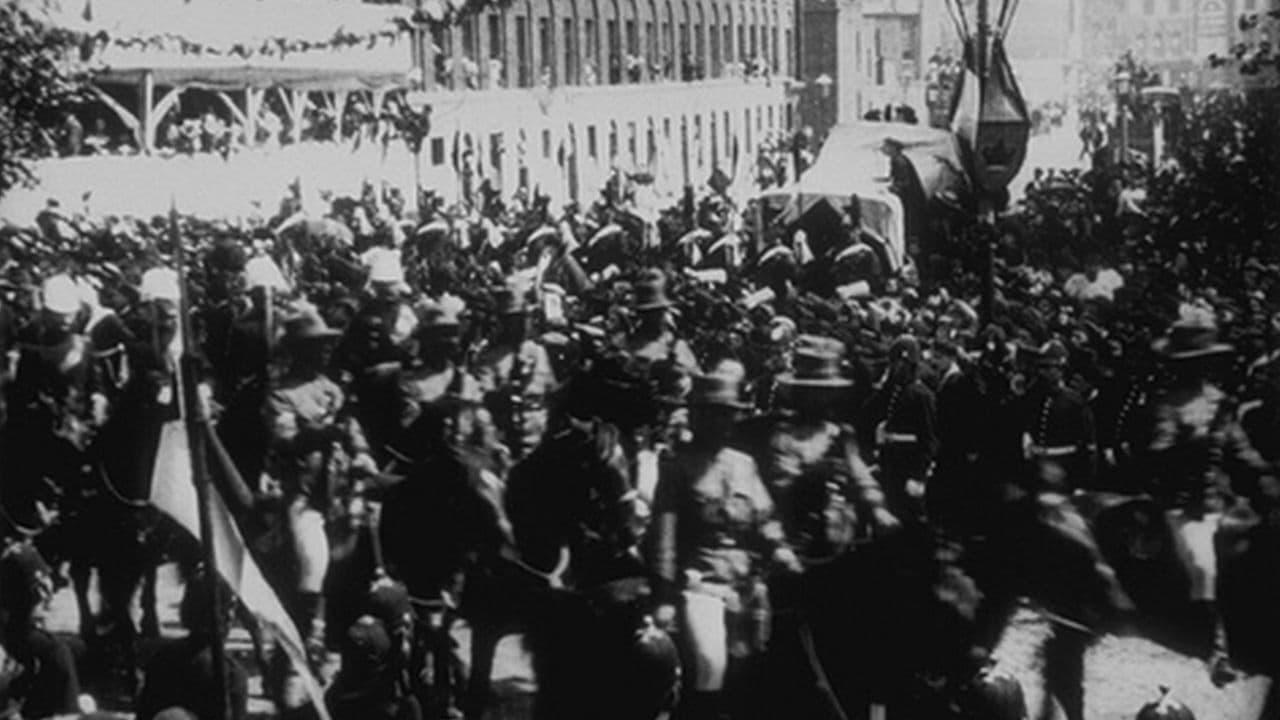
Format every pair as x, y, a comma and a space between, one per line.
1122, 673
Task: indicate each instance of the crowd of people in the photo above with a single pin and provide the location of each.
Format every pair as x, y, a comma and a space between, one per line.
678, 454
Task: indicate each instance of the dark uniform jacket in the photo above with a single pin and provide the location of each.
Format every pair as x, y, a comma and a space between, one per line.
900, 422
1055, 426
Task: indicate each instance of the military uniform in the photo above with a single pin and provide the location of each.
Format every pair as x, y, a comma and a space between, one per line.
902, 417
1056, 428
516, 383
371, 353
819, 482
723, 532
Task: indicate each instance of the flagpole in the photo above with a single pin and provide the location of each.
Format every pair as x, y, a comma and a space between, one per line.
193, 415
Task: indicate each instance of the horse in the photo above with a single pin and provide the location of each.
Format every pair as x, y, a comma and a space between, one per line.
130, 537
889, 623
572, 580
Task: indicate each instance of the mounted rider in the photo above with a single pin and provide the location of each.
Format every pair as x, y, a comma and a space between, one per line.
315, 446
715, 534
824, 490
1205, 469
515, 373
53, 406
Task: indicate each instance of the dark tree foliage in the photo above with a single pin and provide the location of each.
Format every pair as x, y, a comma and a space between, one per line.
36, 90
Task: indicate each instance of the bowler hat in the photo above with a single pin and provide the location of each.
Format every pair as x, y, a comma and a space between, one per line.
1193, 336
719, 389
816, 363
650, 292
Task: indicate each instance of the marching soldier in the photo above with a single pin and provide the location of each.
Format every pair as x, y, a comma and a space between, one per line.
1055, 425
901, 418
313, 443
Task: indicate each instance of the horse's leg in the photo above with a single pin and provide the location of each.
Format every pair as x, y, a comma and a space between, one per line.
485, 636
150, 613
81, 571
1064, 672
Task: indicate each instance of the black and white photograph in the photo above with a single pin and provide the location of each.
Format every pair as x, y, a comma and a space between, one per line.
640, 359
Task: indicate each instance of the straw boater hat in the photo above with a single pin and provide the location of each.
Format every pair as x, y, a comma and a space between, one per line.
816, 364
719, 389
60, 294
385, 267
262, 272
306, 325
160, 283
442, 315
1193, 336
650, 292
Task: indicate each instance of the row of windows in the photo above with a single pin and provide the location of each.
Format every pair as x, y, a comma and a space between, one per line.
637, 142
610, 42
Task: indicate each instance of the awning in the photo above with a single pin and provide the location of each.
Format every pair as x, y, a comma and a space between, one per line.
242, 76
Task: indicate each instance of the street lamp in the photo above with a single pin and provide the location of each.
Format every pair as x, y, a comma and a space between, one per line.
1124, 86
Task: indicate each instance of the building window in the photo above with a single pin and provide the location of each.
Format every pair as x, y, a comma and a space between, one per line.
495, 150
742, 44
592, 50
728, 44
443, 40
631, 143
547, 52
773, 48
524, 62
699, 52
615, 52
496, 43
651, 44
546, 143
613, 141
715, 51
592, 150
790, 53
437, 151
571, 53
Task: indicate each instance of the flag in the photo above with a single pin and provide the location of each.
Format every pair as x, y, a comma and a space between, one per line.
173, 491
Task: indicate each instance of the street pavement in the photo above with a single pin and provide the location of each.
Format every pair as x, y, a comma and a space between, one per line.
1122, 673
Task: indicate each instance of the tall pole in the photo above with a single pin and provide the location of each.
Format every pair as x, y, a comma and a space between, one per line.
193, 414
986, 207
